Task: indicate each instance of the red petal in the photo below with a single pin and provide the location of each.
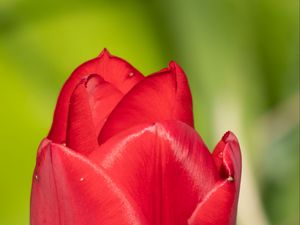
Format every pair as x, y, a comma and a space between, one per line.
165, 167
112, 69
103, 97
81, 132
227, 157
161, 96
69, 189
220, 205
91, 102
219, 208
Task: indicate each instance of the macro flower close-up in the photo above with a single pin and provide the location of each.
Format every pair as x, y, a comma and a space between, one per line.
146, 112
123, 149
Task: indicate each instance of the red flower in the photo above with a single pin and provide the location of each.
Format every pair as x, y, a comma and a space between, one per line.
122, 150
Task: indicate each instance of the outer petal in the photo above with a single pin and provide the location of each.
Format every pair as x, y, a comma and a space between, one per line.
68, 189
165, 167
161, 96
220, 205
113, 70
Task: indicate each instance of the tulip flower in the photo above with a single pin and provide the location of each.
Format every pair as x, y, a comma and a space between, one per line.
122, 149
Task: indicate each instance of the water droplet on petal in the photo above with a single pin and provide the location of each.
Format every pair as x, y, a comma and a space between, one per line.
230, 178
36, 177
131, 74
81, 179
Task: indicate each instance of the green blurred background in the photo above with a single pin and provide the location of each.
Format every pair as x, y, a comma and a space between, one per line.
241, 58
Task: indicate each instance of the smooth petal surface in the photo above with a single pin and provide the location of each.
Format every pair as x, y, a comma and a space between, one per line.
81, 131
90, 104
103, 97
165, 167
68, 189
220, 205
161, 96
113, 70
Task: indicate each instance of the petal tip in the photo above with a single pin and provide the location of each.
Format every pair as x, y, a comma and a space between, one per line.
228, 158
229, 136
173, 65
104, 53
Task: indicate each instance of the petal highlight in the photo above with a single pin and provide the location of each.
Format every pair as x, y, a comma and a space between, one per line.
165, 167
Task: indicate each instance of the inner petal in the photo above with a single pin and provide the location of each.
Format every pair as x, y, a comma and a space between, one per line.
90, 104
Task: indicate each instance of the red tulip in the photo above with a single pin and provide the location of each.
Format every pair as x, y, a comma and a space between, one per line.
122, 150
